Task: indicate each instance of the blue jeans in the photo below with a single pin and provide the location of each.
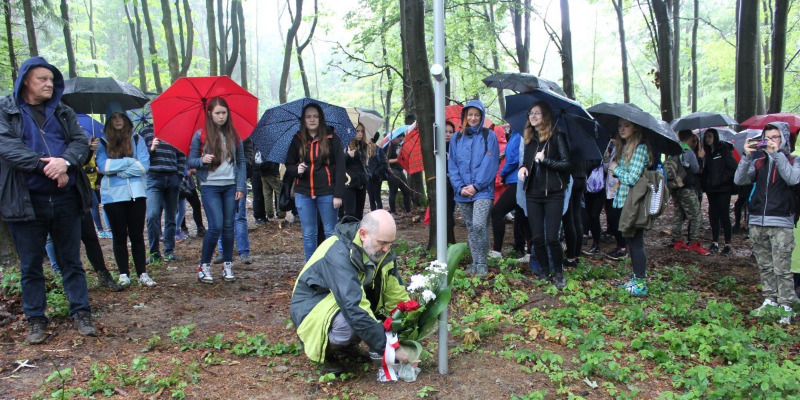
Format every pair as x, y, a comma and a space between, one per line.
98, 223
61, 218
181, 214
307, 208
220, 205
162, 194
240, 228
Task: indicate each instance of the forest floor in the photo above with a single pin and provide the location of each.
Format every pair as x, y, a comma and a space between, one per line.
511, 337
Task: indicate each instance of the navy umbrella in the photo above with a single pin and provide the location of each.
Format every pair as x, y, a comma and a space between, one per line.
521, 82
701, 119
141, 117
278, 125
583, 134
659, 135
93, 128
93, 95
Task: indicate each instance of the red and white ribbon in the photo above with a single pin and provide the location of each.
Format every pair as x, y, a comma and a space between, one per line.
388, 371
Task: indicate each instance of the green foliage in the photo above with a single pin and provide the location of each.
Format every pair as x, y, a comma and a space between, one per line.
259, 346
180, 335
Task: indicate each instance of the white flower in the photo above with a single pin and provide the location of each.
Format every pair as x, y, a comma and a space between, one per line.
418, 282
437, 267
428, 296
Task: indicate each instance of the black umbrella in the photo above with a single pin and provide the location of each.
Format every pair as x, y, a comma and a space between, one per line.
659, 135
521, 82
741, 138
93, 95
701, 119
725, 134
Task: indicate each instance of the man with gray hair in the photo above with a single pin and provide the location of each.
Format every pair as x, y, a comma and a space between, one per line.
349, 279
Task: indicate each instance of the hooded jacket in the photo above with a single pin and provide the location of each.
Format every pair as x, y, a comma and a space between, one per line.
772, 201
719, 166
337, 278
322, 177
22, 144
124, 179
474, 158
509, 171
195, 160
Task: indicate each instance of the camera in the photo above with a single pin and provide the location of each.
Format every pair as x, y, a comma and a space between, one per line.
761, 144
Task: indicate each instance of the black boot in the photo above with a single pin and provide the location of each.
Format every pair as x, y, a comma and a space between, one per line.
331, 364
107, 281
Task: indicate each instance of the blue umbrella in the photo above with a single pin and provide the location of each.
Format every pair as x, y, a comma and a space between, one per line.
93, 128
584, 135
278, 125
141, 117
399, 131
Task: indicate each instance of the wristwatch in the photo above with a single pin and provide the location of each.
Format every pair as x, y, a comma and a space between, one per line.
68, 163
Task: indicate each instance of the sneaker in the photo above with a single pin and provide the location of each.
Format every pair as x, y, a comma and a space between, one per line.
636, 287
204, 273
172, 257
146, 280
471, 270
595, 249
104, 235
82, 321
261, 221
481, 271
495, 254
617, 254
571, 264
726, 250
36, 334
245, 259
227, 272
154, 258
559, 280
524, 259
217, 259
180, 236
679, 245
697, 247
787, 319
124, 281
714, 248
106, 280
760, 311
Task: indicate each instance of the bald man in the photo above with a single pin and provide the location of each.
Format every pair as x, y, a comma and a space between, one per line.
349, 279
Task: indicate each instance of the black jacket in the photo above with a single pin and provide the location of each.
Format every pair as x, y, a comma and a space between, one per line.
378, 165
322, 177
356, 169
552, 173
718, 168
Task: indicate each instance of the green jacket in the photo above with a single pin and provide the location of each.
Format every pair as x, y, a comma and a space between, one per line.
337, 279
644, 203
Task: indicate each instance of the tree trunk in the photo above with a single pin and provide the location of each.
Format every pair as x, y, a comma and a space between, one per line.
152, 40
626, 85
222, 40
181, 39
521, 21
408, 100
287, 50
676, 57
230, 63
136, 37
212, 38
92, 42
389, 77
242, 45
664, 51
566, 51
186, 58
501, 101
169, 37
415, 42
778, 56
33, 47
300, 48
746, 53
694, 54
8, 252
12, 57
71, 67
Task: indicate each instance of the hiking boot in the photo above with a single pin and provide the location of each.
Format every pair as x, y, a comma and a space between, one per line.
495, 254
331, 366
617, 254
786, 320
146, 281
726, 250
82, 321
571, 264
760, 311
636, 287
204, 273
471, 270
714, 248
245, 259
679, 245
227, 272
38, 326
595, 249
218, 259
559, 280
697, 247
172, 257
481, 271
154, 258
353, 352
124, 281
106, 280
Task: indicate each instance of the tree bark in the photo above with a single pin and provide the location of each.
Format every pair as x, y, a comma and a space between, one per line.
408, 100
694, 54
676, 57
521, 22
778, 56
212, 38
136, 37
746, 54
8, 252
169, 37
389, 77
92, 41
626, 84
12, 57
222, 40
242, 45
664, 51
230, 62
300, 48
71, 67
287, 51
153, 52
566, 51
501, 100
414, 41
33, 47
181, 39
186, 57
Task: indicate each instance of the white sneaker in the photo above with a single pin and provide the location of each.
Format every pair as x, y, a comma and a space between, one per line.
227, 272
495, 254
145, 280
526, 259
204, 273
124, 281
763, 309
787, 319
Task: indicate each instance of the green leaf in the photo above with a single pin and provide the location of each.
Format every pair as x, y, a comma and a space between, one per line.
454, 255
430, 317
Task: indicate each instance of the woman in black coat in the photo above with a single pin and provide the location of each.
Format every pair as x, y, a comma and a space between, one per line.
719, 166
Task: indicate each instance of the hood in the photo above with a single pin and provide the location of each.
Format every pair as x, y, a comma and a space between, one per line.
116, 108
785, 135
31, 63
474, 104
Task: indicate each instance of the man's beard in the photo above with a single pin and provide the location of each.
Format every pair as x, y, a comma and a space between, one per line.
376, 255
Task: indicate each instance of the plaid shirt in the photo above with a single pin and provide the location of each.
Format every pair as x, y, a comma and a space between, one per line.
628, 172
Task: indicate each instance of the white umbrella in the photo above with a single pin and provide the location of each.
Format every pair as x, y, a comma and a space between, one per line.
371, 120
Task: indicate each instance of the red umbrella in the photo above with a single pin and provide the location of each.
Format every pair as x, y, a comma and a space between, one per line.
759, 121
453, 114
180, 111
411, 153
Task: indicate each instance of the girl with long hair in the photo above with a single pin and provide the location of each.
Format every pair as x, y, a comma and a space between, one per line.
123, 159
719, 166
377, 171
217, 153
633, 157
544, 173
316, 162
356, 157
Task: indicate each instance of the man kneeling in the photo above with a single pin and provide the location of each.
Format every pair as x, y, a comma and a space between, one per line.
349, 278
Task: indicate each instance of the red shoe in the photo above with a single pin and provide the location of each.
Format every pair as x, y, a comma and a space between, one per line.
680, 245
697, 247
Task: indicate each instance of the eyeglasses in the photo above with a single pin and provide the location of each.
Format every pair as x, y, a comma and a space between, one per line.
774, 137
535, 114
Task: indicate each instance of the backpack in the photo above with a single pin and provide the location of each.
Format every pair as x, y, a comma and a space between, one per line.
675, 172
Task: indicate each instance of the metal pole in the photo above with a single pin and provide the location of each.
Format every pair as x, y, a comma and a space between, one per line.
437, 70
